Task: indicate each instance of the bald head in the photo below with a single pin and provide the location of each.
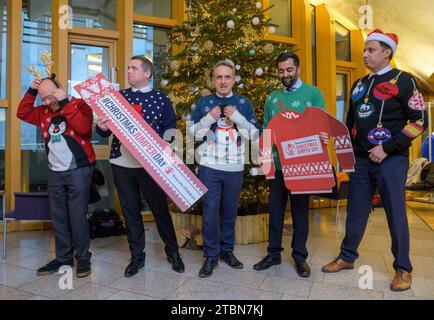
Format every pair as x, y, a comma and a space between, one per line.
47, 90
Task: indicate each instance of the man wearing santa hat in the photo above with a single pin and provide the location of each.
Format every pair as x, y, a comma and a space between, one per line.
386, 113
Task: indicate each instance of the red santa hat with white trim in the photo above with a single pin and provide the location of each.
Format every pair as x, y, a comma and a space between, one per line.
390, 39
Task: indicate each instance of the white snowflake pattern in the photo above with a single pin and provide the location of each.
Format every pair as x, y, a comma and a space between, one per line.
242, 101
296, 104
309, 104
275, 100
211, 102
85, 94
207, 109
95, 88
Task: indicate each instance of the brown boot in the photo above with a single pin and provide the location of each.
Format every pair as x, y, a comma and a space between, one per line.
337, 265
402, 281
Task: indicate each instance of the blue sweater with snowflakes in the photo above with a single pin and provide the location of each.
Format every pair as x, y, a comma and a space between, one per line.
223, 146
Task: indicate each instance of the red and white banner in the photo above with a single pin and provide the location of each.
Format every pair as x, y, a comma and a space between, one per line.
152, 152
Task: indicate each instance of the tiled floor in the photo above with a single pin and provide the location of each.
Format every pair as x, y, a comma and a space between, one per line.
29, 250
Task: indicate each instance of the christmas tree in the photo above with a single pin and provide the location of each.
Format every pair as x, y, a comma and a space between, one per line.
218, 30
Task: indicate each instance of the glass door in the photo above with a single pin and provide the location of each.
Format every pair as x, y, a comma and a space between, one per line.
88, 57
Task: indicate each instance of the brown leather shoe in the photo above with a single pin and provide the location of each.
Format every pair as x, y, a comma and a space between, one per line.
337, 265
402, 281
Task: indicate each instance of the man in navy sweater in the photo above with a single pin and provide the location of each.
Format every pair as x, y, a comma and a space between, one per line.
130, 177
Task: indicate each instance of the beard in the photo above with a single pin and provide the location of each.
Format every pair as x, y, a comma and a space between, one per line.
289, 81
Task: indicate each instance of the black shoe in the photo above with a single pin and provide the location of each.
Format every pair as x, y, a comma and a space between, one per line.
303, 269
208, 267
83, 269
231, 260
267, 262
52, 267
176, 261
134, 266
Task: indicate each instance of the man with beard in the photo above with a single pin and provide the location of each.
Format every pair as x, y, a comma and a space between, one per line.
295, 96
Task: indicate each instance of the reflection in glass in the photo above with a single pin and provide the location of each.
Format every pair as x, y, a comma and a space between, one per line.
158, 8
151, 42
86, 62
343, 51
341, 97
97, 14
313, 26
280, 14
2, 148
3, 44
36, 39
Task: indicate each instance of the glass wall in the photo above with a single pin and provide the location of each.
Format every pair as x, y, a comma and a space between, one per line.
156, 8
313, 27
36, 40
280, 14
97, 14
2, 147
3, 44
151, 43
341, 96
343, 48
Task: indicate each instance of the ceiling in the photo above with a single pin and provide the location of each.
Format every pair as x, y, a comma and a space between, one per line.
412, 21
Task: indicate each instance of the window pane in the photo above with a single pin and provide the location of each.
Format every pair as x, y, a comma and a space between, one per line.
343, 51
97, 14
158, 8
2, 147
313, 26
151, 42
280, 14
3, 44
36, 40
86, 62
341, 97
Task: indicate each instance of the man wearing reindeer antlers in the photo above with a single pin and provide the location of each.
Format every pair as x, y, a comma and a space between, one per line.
66, 127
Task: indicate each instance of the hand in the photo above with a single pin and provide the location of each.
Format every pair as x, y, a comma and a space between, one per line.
36, 83
229, 111
60, 94
324, 137
377, 154
102, 124
215, 113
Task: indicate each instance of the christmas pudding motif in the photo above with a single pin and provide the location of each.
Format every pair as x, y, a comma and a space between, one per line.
386, 90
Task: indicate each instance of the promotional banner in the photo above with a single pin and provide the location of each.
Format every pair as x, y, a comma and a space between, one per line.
152, 152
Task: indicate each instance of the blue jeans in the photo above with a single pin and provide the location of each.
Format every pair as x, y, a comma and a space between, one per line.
389, 178
220, 206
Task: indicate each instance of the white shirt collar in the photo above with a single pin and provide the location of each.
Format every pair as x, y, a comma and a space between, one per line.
297, 85
143, 90
382, 71
228, 96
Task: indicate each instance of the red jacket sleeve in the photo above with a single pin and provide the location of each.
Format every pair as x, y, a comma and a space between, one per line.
26, 110
266, 142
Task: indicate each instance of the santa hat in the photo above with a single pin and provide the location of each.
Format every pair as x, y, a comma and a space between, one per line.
390, 39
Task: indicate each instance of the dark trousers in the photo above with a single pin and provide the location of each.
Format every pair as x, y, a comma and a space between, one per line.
277, 199
68, 194
220, 207
389, 178
129, 183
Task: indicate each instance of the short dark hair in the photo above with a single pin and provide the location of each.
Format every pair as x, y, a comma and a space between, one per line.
286, 56
385, 46
146, 63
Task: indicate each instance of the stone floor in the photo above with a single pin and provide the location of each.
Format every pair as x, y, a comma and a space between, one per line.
29, 250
